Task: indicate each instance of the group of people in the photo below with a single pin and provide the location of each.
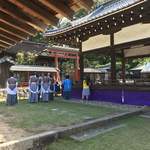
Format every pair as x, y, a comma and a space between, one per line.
43, 88
40, 88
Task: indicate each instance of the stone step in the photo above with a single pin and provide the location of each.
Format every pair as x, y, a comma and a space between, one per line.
94, 132
145, 116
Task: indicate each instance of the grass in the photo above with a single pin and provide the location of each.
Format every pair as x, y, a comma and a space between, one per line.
135, 136
44, 116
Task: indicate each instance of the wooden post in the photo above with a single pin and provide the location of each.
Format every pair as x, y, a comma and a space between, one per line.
113, 59
81, 63
77, 71
57, 68
56, 61
123, 66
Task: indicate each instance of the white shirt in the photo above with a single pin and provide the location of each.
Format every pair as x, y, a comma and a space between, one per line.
11, 92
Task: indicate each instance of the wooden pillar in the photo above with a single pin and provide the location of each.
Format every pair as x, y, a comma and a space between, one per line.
123, 66
81, 62
28, 76
77, 69
113, 59
57, 68
56, 61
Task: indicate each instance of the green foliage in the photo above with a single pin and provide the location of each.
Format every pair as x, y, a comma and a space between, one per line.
30, 58
79, 14
20, 58
95, 61
39, 38
143, 61
87, 63
97, 3
23, 58
68, 67
63, 23
131, 63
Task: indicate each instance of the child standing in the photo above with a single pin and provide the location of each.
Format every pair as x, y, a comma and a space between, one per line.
86, 89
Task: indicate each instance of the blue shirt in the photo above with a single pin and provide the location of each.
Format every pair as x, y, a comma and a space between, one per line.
67, 85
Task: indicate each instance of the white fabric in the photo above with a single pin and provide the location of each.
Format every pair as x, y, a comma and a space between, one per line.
43, 90
32, 83
11, 92
32, 90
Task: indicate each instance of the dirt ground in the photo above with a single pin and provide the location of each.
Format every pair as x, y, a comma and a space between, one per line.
8, 133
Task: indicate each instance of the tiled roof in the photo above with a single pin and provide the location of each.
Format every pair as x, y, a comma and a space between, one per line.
143, 68
7, 59
93, 70
32, 68
146, 68
102, 10
27, 46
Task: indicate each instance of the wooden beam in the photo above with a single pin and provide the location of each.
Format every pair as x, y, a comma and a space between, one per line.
1, 40
6, 40
11, 35
4, 44
10, 29
17, 13
17, 24
59, 7
36, 11
2, 47
86, 4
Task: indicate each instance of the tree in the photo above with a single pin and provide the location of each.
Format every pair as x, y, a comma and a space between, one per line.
79, 14
23, 58
20, 58
30, 58
97, 3
68, 67
87, 63
39, 38
95, 61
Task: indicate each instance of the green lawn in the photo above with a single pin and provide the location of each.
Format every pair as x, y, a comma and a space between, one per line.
44, 116
135, 136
